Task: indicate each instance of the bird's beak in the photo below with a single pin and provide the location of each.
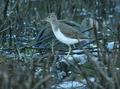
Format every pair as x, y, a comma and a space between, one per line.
45, 19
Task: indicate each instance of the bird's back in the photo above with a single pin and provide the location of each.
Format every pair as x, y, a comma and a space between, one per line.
71, 32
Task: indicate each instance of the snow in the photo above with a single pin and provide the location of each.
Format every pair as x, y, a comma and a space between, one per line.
77, 51
69, 85
82, 58
117, 68
78, 57
110, 45
73, 84
75, 58
117, 8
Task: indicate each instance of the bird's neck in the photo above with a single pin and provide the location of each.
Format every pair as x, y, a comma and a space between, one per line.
54, 25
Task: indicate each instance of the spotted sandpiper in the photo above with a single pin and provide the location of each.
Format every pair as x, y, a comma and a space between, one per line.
65, 33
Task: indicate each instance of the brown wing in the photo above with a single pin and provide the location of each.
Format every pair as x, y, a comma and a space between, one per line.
71, 32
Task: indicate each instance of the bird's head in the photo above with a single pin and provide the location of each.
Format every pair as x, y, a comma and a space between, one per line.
52, 17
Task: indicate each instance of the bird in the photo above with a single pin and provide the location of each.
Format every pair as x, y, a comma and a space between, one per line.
65, 33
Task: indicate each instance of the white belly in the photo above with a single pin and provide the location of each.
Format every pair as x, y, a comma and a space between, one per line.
61, 37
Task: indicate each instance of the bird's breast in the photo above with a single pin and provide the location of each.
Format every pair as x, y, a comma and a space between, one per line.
64, 39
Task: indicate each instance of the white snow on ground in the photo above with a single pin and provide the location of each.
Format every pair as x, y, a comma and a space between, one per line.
110, 45
75, 58
73, 84
81, 58
78, 57
69, 85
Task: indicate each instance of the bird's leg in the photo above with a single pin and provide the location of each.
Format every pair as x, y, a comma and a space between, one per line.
69, 51
52, 46
74, 45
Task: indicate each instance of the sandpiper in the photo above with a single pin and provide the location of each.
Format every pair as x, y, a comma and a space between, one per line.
65, 33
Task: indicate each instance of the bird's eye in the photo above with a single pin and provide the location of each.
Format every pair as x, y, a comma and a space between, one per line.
48, 16
51, 15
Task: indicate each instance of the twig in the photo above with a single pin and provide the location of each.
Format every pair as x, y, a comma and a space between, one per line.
40, 82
